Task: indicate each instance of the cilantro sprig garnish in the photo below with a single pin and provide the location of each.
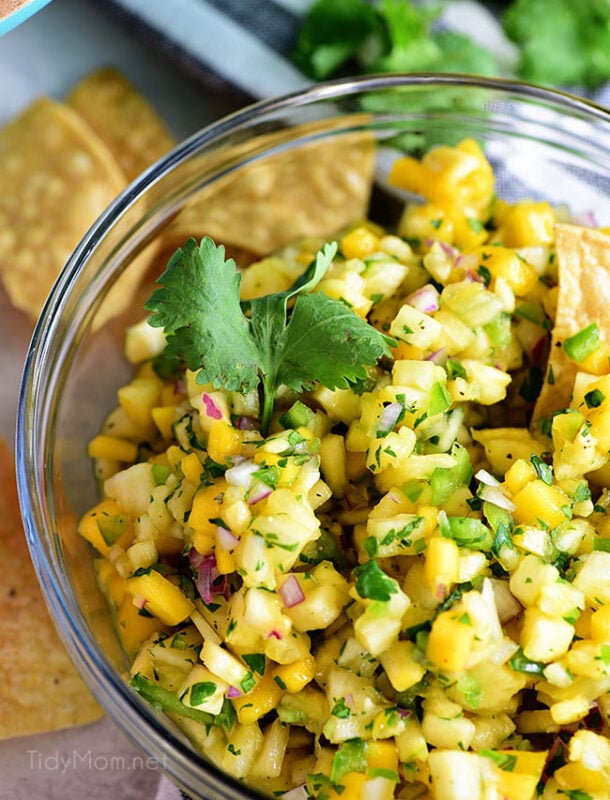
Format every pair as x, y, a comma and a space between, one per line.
275, 343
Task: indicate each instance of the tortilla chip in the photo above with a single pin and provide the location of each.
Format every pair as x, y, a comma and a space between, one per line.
314, 190
40, 689
57, 176
583, 262
122, 118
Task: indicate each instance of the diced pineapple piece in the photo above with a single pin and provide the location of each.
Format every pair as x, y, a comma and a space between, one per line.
226, 666
530, 576
411, 742
203, 690
332, 462
545, 638
132, 488
270, 760
143, 342
415, 327
243, 746
593, 578
527, 223
444, 723
139, 397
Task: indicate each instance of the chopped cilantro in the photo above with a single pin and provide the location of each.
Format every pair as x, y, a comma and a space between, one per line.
543, 470
594, 398
505, 761
256, 662
520, 663
341, 709
372, 583
164, 700
350, 757
561, 42
351, 36
201, 691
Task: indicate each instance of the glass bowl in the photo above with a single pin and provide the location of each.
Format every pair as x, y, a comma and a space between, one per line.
542, 144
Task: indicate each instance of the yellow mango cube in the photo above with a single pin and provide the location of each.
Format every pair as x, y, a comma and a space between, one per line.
262, 699
528, 223
112, 447
191, 468
105, 525
441, 565
224, 441
295, 676
163, 598
503, 262
600, 624
451, 639
537, 501
359, 243
135, 627
519, 475
164, 417
206, 507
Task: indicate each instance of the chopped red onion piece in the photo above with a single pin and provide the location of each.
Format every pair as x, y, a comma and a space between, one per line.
226, 540
212, 409
437, 356
389, 417
425, 299
585, 218
245, 423
274, 634
205, 567
233, 692
290, 592
258, 492
447, 249
139, 601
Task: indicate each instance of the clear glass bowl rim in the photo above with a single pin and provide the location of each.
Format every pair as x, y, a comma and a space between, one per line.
131, 714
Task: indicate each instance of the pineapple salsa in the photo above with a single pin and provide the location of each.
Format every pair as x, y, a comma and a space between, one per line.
354, 528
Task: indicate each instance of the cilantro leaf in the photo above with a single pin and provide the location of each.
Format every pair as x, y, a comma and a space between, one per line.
319, 339
355, 36
198, 306
561, 42
372, 582
332, 33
